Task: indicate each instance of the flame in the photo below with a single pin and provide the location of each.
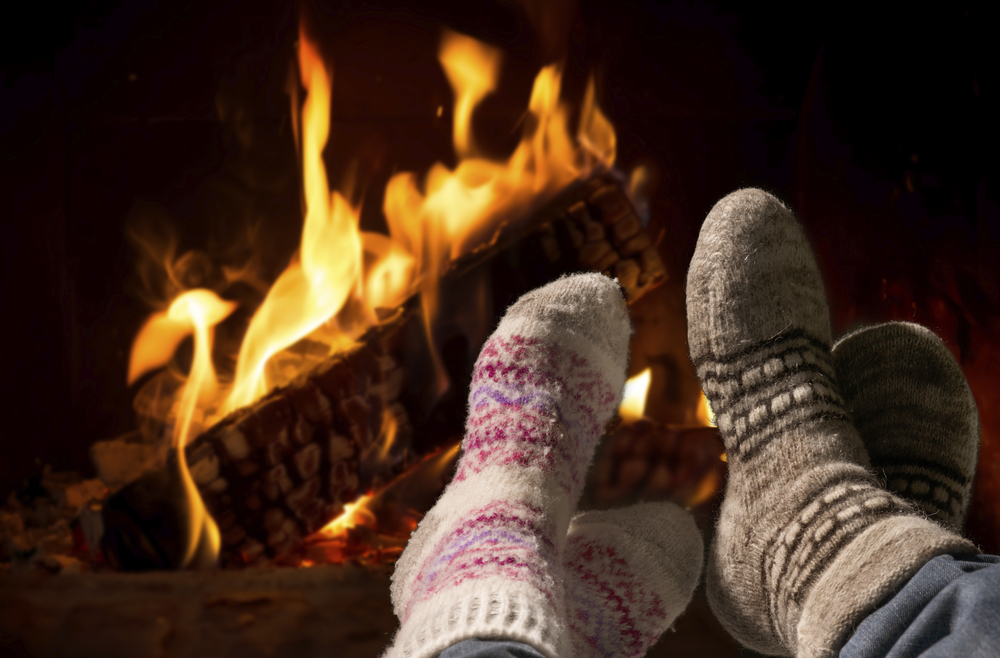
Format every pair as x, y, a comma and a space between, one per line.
707, 487
472, 69
462, 207
430, 224
376, 527
196, 311
199, 310
706, 416
633, 404
354, 514
317, 284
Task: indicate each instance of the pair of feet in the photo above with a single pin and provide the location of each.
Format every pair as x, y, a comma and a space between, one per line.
808, 541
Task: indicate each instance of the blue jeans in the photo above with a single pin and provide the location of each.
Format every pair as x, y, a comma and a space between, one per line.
490, 649
951, 607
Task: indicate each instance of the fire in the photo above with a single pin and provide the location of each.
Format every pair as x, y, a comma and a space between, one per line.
354, 514
341, 276
376, 527
472, 69
706, 416
328, 269
633, 404
461, 207
196, 311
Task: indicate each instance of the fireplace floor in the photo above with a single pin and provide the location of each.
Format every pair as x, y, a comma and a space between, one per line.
320, 611
324, 611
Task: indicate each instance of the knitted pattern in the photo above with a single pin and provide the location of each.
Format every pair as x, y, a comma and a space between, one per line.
487, 559
915, 413
629, 574
807, 542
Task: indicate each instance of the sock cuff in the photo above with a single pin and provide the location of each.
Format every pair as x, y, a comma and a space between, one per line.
875, 564
491, 609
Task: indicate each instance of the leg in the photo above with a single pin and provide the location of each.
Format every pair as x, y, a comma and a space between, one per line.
915, 413
486, 560
629, 573
950, 608
918, 420
800, 553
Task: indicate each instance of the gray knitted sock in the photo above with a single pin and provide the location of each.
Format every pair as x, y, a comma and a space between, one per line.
807, 542
915, 413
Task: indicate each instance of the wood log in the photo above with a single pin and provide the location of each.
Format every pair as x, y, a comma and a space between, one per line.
647, 460
278, 470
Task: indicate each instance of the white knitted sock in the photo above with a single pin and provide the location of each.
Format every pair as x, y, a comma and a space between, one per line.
629, 574
807, 542
486, 561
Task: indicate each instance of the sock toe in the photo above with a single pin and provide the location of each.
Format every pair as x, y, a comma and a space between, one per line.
915, 412
629, 574
752, 262
585, 312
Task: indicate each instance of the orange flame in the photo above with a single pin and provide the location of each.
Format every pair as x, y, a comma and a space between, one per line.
461, 207
362, 512
354, 514
633, 404
314, 287
706, 416
196, 311
472, 68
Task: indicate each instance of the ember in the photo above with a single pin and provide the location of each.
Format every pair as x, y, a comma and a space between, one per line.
374, 528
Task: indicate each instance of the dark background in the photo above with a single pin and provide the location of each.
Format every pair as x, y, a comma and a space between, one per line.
878, 126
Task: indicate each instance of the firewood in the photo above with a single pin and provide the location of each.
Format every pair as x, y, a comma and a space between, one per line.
278, 470
647, 460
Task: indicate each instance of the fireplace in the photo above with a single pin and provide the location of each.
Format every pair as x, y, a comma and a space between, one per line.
156, 117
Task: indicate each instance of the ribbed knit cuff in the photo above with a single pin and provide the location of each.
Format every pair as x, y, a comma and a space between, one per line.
492, 609
876, 563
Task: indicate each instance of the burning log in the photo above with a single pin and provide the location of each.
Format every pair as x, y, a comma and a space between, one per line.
646, 460
275, 472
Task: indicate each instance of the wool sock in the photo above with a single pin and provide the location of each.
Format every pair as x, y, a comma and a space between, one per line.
807, 543
629, 574
486, 561
915, 413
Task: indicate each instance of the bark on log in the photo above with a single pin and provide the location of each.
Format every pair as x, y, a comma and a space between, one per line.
278, 470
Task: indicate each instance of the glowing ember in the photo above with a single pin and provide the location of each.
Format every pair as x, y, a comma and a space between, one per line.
375, 528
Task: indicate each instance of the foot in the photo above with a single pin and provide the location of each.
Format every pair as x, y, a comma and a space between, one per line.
807, 542
915, 413
629, 574
486, 561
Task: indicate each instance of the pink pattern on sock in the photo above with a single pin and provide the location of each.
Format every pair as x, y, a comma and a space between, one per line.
612, 612
532, 405
525, 394
509, 540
